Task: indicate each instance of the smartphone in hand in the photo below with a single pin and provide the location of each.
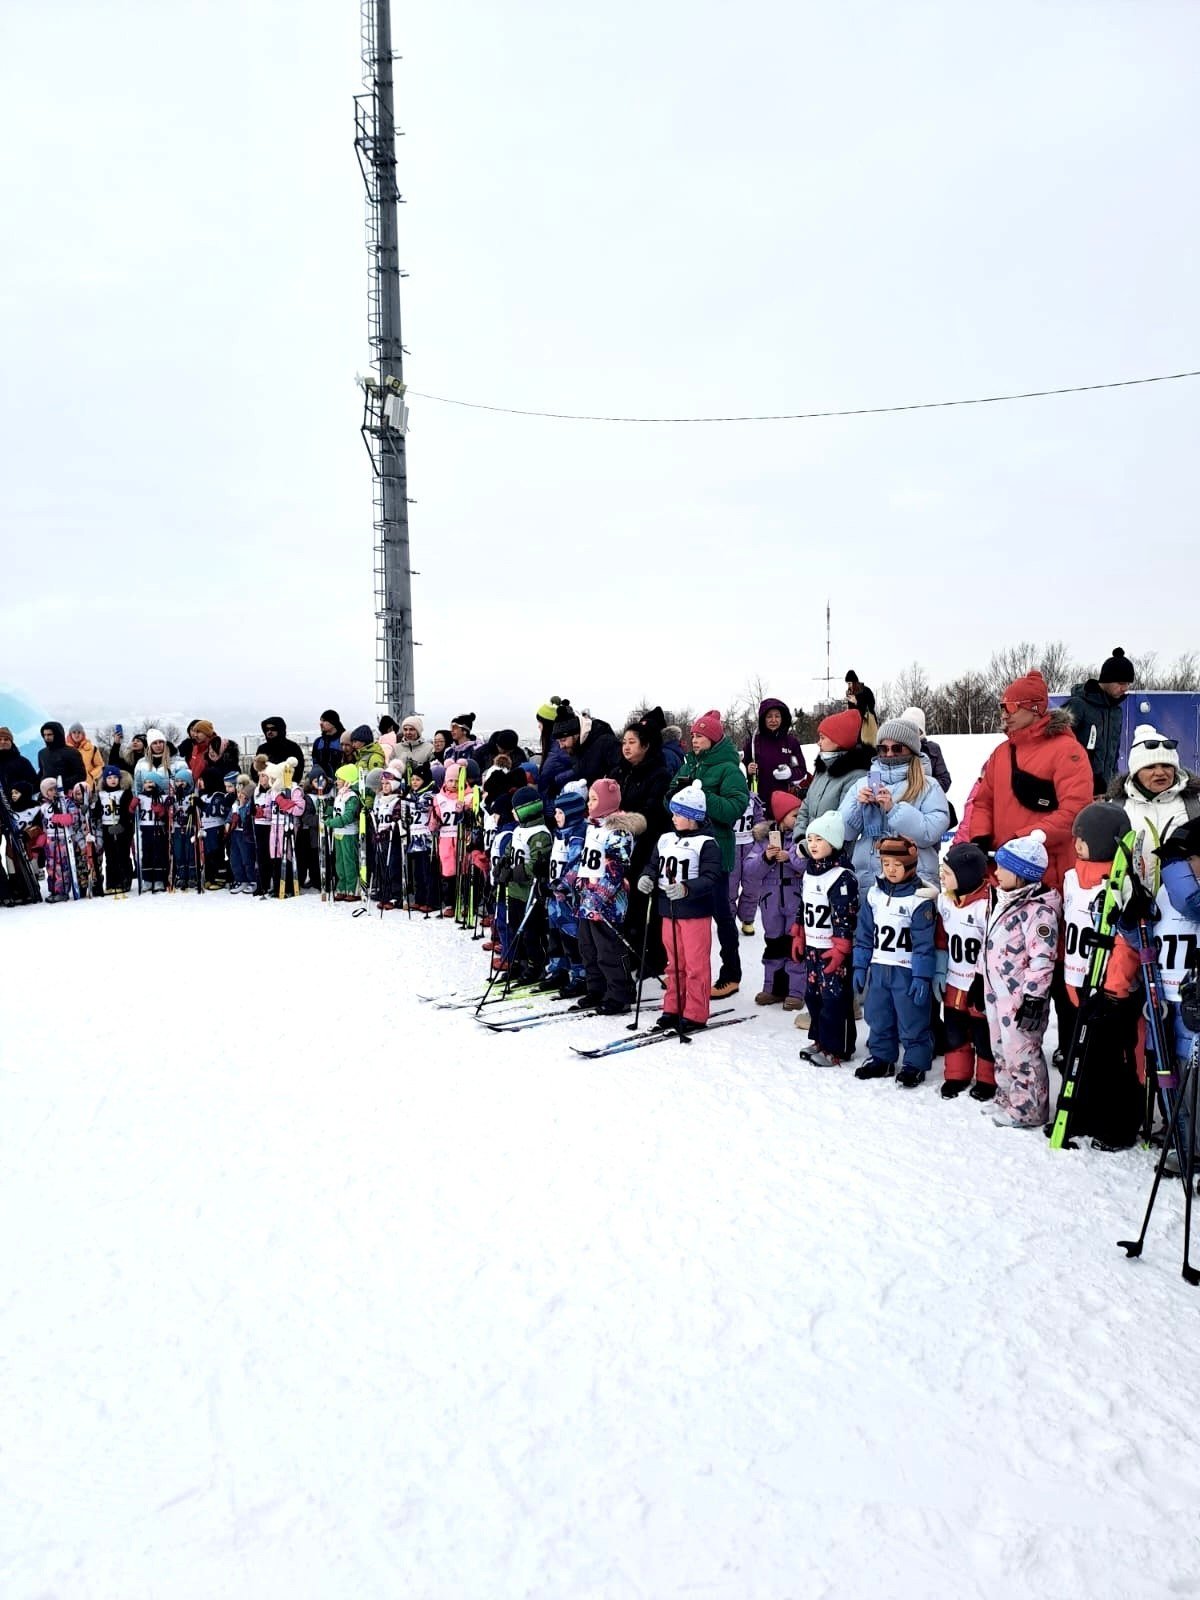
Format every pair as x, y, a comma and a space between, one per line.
775, 839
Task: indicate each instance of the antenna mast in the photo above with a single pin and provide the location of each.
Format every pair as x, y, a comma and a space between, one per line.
385, 415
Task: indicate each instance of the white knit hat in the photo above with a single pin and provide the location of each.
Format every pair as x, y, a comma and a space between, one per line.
1149, 749
690, 802
1025, 857
830, 827
916, 716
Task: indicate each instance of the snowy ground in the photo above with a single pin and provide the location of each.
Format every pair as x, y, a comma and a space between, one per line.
314, 1291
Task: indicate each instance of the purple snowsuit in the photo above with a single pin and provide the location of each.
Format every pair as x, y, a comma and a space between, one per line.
780, 907
778, 756
745, 880
1019, 952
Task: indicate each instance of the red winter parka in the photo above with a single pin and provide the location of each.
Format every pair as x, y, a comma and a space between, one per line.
1047, 748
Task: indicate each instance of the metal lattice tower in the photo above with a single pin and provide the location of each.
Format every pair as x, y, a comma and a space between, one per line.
385, 415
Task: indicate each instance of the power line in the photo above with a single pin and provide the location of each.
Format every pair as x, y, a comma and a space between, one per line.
812, 416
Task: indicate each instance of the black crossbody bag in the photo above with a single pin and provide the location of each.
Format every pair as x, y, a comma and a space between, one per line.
1035, 794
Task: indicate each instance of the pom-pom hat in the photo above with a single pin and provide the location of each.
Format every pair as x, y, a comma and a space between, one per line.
1026, 857
689, 802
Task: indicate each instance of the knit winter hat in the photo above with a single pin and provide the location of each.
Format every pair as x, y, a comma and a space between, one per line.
202, 729
332, 717
969, 864
649, 727
347, 774
413, 721
548, 712
436, 772
500, 805
1149, 748
1117, 669
107, 772
230, 777
916, 716
1101, 827
1027, 694
608, 797
843, 728
710, 727
672, 733
450, 774
155, 736
690, 800
572, 803
566, 723
899, 849
896, 730
48, 787
1026, 857
77, 727
155, 779
527, 805
464, 719
783, 801
830, 827
362, 735
244, 781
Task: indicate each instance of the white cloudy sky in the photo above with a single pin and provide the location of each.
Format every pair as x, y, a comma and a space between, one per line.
647, 207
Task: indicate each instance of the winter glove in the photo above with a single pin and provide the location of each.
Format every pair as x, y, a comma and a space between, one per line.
798, 941
519, 875
860, 979
1031, 1017
62, 819
675, 891
503, 873
645, 884
939, 976
836, 957
1137, 905
919, 991
479, 860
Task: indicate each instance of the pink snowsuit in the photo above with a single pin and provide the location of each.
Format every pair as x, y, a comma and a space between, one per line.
289, 802
1019, 951
446, 808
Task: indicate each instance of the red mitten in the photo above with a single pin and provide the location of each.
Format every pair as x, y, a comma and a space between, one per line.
839, 954
62, 819
478, 859
799, 944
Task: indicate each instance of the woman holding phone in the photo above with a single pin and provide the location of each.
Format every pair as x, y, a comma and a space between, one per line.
899, 800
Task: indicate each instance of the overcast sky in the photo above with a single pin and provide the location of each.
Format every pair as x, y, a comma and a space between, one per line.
651, 207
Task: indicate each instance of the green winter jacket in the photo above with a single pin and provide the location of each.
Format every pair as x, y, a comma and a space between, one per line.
1098, 722
726, 792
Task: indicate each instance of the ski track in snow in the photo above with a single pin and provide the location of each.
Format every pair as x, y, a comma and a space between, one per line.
313, 1290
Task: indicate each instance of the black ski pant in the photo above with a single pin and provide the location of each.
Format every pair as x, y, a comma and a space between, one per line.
118, 864
727, 932
605, 962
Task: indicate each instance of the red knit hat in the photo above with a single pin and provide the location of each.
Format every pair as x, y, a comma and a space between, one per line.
710, 727
783, 801
843, 727
608, 797
1028, 693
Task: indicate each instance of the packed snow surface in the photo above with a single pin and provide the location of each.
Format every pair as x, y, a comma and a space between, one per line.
313, 1290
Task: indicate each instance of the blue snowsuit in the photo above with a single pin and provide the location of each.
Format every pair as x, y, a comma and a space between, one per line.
562, 904
892, 965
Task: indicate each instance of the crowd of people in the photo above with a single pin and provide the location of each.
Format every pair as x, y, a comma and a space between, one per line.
596, 860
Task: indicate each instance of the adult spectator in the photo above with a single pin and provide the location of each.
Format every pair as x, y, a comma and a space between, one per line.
562, 764
93, 759
841, 762
643, 777
389, 733
463, 743
366, 752
861, 699
773, 756
714, 765
673, 751
1159, 795
937, 762
442, 740
1038, 778
14, 767
126, 759
1097, 710
278, 748
413, 749
56, 758
212, 758
327, 746
899, 800
187, 744
503, 748
158, 760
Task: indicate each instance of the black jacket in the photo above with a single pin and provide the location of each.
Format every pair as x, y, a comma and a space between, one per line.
281, 747
644, 789
14, 768
57, 759
1098, 722
210, 778
598, 754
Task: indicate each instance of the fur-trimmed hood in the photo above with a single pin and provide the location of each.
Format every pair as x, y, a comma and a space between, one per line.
628, 821
1187, 784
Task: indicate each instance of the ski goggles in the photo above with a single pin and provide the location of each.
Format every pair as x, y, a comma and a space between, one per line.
1012, 706
1158, 744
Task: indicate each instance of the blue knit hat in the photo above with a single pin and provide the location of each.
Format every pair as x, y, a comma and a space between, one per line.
572, 804
230, 777
110, 772
690, 802
1025, 858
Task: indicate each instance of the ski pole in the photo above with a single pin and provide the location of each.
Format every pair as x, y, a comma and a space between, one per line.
637, 1009
513, 949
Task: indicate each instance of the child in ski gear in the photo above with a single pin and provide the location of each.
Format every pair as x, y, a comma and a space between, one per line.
714, 764
963, 912
899, 800
242, 853
783, 975
288, 808
89, 860
418, 815
686, 870
822, 938
115, 807
501, 807
447, 809
347, 807
387, 816
1019, 949
215, 807
603, 893
183, 832
151, 841
1180, 942
522, 874
264, 812
565, 968
745, 879
60, 822
894, 949
1107, 1098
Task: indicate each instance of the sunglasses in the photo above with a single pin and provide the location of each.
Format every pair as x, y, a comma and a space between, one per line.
890, 749
1160, 744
